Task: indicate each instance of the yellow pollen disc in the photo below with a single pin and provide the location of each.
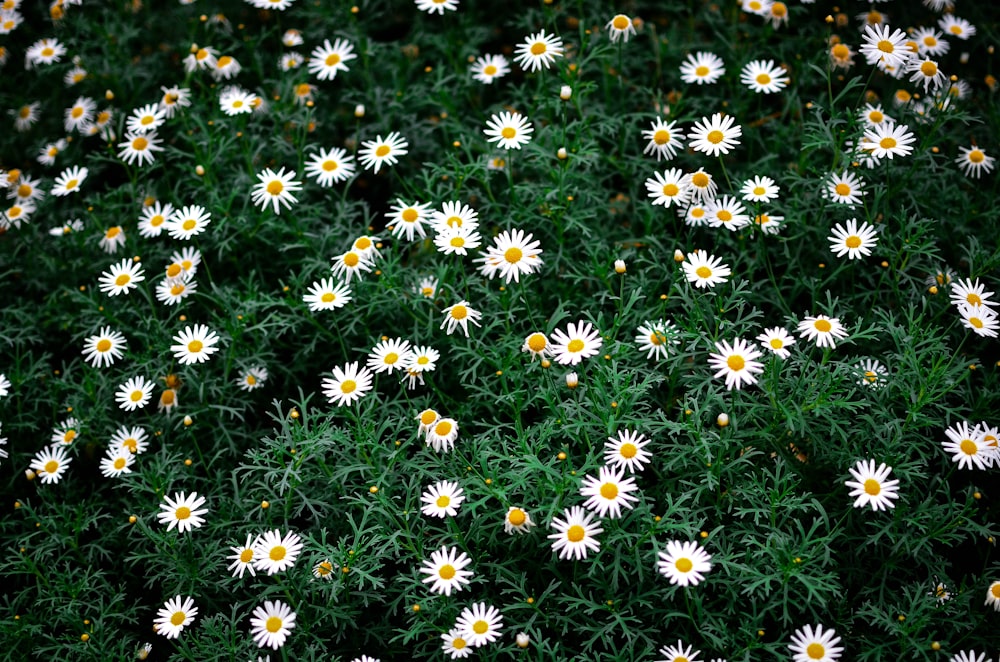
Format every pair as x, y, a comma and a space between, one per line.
195, 346
620, 22
443, 501
76, 112
538, 48
628, 450
122, 280
457, 242
363, 243
995, 590
330, 165
700, 179
324, 568
489, 70
328, 297
428, 416
853, 241
537, 342
976, 322
156, 221
182, 513
661, 137
178, 618
391, 358
51, 467
119, 463
508, 132
443, 429
103, 345
14, 212
173, 270
189, 224
71, 184
251, 380
47, 52
446, 572
968, 447
886, 46
147, 119
724, 215
815, 651
516, 517
454, 222
167, 397
779, 9
480, 627
24, 113
973, 299
423, 360
458, 643
683, 564
840, 51
237, 103
332, 59
776, 343
277, 553
409, 215
351, 259
575, 345
513, 255
348, 386
763, 79
303, 90
703, 272
977, 156
715, 137
872, 487
871, 376
273, 624
887, 143
201, 54
131, 444
762, 219
822, 326
382, 150
275, 188
459, 312
69, 436
609, 491
223, 62
23, 191
929, 69
735, 363
701, 71
657, 338
177, 289
759, 190
136, 396
575, 533
670, 190
139, 144
842, 189
955, 29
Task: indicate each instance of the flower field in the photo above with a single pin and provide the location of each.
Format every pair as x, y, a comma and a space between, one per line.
441, 329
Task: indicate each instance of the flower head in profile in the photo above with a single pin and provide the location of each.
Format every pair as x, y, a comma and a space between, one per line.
436, 6
620, 27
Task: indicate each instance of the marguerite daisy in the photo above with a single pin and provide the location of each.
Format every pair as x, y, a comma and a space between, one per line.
871, 487
684, 563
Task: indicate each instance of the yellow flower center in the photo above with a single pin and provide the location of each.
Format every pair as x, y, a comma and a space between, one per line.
735, 363
458, 242
382, 150
195, 346
443, 501
977, 156
575, 345
69, 436
701, 71
71, 184
351, 259
275, 187
538, 48
976, 322
887, 143
995, 590
703, 272
842, 189
391, 358
409, 215
516, 517
277, 553
700, 179
715, 137
841, 52
657, 338
273, 624
815, 651
131, 444
173, 270
628, 450
167, 397
537, 342
328, 297
458, 643
759, 190
76, 112
136, 396
973, 299
955, 29
122, 280
513, 255
508, 132
459, 312
763, 79
446, 572
609, 491
683, 564
251, 380
47, 51
332, 59
189, 224
886, 46
140, 144
575, 533
968, 447
853, 241
119, 463
103, 345
776, 343
428, 416
670, 190
182, 513
178, 618
480, 627
822, 326
330, 165
872, 487
661, 137
24, 113
51, 466
489, 70
929, 69
348, 386
443, 429
620, 22
779, 9
724, 215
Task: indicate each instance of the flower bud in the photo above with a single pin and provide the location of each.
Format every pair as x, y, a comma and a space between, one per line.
572, 380
678, 255
565, 92
359, 110
619, 266
723, 420
523, 640
561, 153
